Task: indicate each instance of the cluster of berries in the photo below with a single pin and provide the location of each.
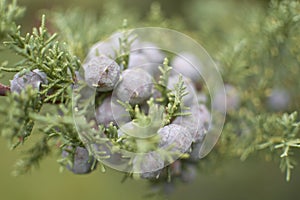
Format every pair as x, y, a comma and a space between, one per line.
135, 84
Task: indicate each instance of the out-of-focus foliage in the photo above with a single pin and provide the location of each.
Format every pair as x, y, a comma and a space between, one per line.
256, 48
8, 16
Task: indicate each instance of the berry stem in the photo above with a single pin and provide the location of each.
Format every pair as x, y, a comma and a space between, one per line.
4, 89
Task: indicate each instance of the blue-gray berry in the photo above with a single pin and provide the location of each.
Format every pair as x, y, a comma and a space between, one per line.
279, 99
152, 51
195, 152
197, 122
135, 86
107, 48
111, 112
32, 78
101, 72
175, 138
104, 113
137, 60
140, 60
148, 165
188, 65
190, 88
127, 129
82, 162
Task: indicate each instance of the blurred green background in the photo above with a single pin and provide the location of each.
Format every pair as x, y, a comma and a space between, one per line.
234, 180
253, 179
